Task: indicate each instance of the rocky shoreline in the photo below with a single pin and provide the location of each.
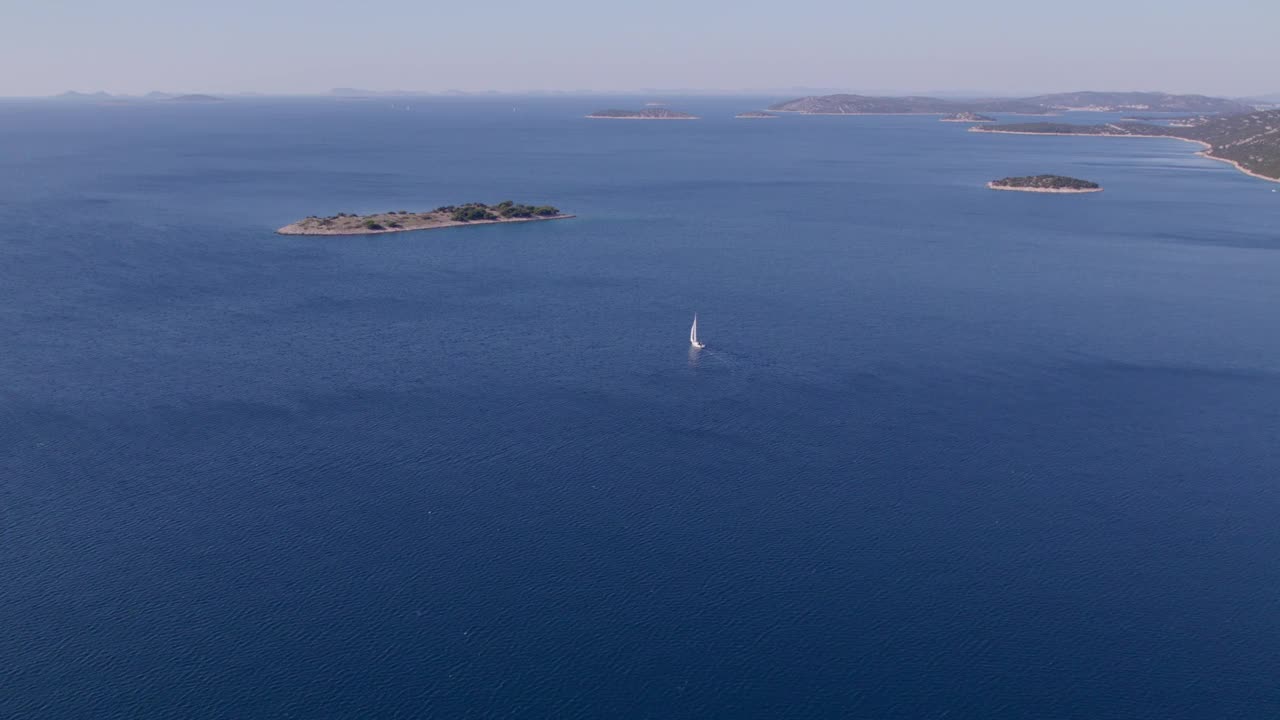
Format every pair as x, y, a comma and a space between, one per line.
1071, 191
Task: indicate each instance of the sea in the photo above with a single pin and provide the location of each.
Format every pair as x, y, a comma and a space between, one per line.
948, 453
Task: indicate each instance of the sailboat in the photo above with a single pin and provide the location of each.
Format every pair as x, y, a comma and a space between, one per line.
693, 334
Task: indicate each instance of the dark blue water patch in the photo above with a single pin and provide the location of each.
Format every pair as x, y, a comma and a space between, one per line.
948, 452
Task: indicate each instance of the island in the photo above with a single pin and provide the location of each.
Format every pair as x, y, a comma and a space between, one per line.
195, 98
845, 104
403, 221
967, 117
649, 113
755, 115
1045, 184
1250, 141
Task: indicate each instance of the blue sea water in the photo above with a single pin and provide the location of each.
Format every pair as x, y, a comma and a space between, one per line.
949, 453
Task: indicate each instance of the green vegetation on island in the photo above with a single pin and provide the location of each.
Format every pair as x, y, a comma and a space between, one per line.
402, 220
649, 113
1045, 183
1250, 141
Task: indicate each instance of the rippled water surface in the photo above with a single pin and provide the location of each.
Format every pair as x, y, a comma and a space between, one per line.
949, 453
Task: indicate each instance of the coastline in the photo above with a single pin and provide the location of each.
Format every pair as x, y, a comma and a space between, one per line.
1236, 164
998, 131
1206, 152
293, 229
1064, 191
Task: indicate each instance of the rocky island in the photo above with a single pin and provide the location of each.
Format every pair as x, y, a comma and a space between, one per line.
403, 221
755, 115
967, 117
649, 113
1248, 141
1045, 184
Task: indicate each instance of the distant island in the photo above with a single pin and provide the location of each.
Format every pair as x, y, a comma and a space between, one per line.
1045, 184
967, 117
1037, 105
649, 113
403, 221
755, 115
101, 97
1250, 141
194, 99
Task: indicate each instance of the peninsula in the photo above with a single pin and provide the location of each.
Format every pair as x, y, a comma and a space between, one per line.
1249, 141
1045, 184
1038, 105
442, 217
649, 113
754, 115
967, 117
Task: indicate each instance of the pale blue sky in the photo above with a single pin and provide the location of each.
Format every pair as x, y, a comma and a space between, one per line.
290, 46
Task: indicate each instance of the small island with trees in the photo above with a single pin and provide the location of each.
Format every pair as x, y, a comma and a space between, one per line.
755, 115
1045, 184
404, 221
649, 113
967, 117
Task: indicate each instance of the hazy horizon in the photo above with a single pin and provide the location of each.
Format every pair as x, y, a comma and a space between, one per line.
1005, 47
650, 93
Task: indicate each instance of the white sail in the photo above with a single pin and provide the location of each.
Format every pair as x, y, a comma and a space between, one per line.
693, 333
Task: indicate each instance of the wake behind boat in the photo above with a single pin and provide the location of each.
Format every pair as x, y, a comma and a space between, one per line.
693, 334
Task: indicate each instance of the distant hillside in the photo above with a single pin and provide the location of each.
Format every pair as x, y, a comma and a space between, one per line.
1038, 105
1251, 141
874, 105
1149, 101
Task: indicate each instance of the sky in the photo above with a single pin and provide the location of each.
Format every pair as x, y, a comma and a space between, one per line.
1224, 47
